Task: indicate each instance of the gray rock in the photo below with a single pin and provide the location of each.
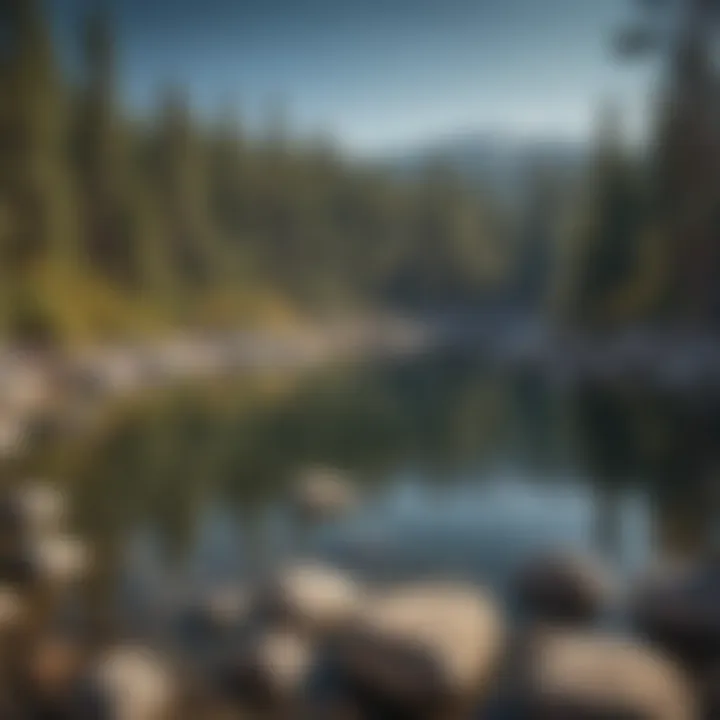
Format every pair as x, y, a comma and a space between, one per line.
322, 493
424, 647
582, 675
269, 670
310, 596
133, 683
564, 588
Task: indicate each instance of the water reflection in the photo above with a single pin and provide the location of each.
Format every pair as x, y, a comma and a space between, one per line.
466, 469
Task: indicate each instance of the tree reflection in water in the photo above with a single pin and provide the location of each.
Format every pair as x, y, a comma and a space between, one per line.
197, 478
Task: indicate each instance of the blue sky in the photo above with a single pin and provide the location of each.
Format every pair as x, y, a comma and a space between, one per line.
379, 75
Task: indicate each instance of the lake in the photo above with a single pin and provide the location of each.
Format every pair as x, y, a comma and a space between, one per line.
466, 468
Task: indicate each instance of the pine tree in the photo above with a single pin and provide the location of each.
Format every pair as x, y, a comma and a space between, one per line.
686, 153
606, 255
99, 151
35, 186
176, 162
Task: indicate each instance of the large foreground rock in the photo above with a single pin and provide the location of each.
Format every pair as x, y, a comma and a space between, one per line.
569, 675
423, 648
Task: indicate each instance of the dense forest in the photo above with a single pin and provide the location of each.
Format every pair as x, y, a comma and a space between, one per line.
113, 225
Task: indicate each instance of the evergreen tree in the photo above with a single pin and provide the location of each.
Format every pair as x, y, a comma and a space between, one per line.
106, 221
607, 254
101, 153
686, 154
539, 226
176, 163
35, 187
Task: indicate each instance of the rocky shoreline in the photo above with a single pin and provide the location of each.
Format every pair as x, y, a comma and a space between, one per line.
45, 392
307, 640
48, 393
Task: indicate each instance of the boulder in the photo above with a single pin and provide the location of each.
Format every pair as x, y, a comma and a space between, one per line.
568, 675
132, 683
311, 597
422, 648
564, 589
270, 669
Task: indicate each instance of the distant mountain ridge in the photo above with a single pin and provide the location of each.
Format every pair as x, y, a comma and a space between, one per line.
497, 161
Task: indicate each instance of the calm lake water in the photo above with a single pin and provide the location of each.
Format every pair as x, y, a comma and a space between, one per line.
466, 469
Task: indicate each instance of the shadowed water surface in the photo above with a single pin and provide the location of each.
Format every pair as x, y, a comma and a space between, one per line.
465, 470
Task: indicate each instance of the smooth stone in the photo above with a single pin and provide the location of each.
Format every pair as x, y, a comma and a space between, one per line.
133, 683
323, 493
270, 669
310, 596
42, 507
60, 560
588, 675
565, 589
13, 609
423, 647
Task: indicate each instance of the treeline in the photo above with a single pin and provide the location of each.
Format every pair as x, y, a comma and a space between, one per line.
645, 245
112, 224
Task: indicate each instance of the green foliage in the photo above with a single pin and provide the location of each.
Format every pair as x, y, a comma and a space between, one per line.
684, 192
606, 260
112, 227
36, 181
108, 225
